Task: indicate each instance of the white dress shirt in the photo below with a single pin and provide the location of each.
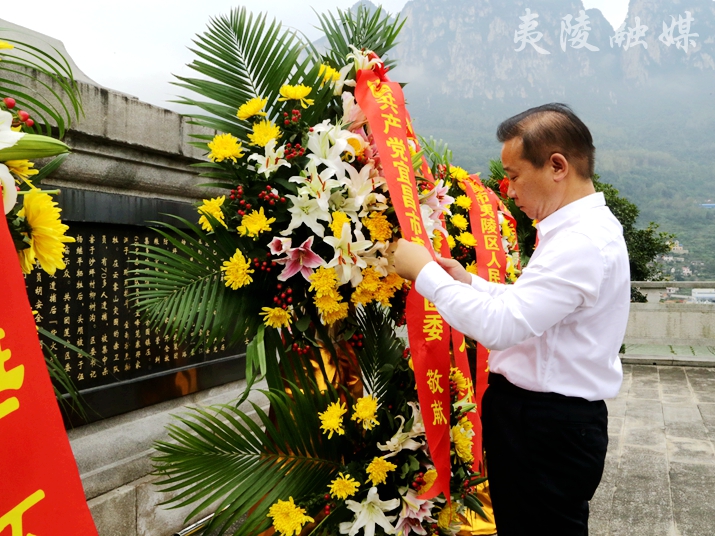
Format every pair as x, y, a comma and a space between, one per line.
559, 327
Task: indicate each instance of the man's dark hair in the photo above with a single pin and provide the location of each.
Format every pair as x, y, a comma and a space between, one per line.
548, 129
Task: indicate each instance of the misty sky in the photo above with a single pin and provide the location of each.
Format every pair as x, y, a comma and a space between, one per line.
134, 46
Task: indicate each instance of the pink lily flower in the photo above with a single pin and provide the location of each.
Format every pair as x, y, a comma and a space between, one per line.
301, 259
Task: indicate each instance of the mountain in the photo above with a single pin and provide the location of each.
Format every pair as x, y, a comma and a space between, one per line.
648, 95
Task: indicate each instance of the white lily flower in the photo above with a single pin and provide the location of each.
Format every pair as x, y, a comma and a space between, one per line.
347, 262
327, 143
8, 137
360, 186
348, 205
361, 59
369, 513
379, 263
414, 513
418, 424
317, 185
401, 440
353, 116
9, 192
272, 160
306, 209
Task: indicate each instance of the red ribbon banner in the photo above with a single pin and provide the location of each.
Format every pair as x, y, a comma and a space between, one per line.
383, 103
40, 489
491, 258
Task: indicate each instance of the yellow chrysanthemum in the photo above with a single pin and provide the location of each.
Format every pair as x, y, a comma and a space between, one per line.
213, 207
331, 420
437, 241
22, 169
339, 219
328, 302
467, 239
448, 517
299, 93
365, 412
236, 271
460, 222
255, 223
378, 469
380, 229
458, 173
463, 201
251, 108
429, 480
276, 317
263, 132
506, 230
462, 437
330, 318
458, 378
323, 280
388, 287
343, 487
471, 268
329, 74
358, 149
225, 147
47, 233
451, 241
288, 518
365, 291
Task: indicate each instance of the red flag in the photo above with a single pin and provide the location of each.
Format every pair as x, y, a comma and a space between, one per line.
40, 489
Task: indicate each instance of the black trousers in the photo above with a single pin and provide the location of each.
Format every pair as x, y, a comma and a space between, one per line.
545, 454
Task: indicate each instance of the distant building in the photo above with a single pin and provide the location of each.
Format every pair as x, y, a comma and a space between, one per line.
703, 295
677, 248
687, 271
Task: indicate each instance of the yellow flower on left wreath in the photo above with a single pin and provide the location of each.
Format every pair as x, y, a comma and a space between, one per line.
225, 147
288, 518
47, 233
237, 271
329, 74
380, 229
463, 201
378, 469
276, 317
339, 219
467, 239
343, 487
255, 223
263, 132
451, 241
299, 93
331, 420
252, 107
471, 268
365, 411
213, 207
22, 169
429, 480
458, 173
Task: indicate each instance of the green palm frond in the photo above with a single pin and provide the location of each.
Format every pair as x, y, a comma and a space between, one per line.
182, 293
221, 457
376, 31
381, 350
242, 56
53, 99
61, 380
436, 151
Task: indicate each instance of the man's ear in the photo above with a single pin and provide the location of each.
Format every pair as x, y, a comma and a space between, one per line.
559, 166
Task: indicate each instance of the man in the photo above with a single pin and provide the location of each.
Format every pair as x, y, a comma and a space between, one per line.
554, 334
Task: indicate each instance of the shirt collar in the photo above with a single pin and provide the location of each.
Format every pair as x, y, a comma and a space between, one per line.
567, 212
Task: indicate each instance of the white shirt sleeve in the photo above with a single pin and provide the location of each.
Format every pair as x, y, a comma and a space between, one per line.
493, 289
553, 285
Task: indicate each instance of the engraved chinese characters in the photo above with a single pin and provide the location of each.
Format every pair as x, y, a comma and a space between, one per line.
89, 306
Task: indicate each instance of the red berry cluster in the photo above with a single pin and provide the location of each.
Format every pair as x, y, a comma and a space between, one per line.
463, 253
300, 350
269, 196
21, 116
406, 354
264, 266
294, 119
441, 172
237, 194
282, 298
419, 481
356, 340
453, 389
468, 490
329, 506
293, 151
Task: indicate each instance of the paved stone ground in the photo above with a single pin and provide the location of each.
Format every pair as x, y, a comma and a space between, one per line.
659, 478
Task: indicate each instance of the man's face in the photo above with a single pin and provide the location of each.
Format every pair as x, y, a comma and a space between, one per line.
531, 188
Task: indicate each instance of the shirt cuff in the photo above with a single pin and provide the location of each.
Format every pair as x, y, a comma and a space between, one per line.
430, 278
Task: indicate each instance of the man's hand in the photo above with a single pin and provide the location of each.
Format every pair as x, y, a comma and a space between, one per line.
455, 269
410, 258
